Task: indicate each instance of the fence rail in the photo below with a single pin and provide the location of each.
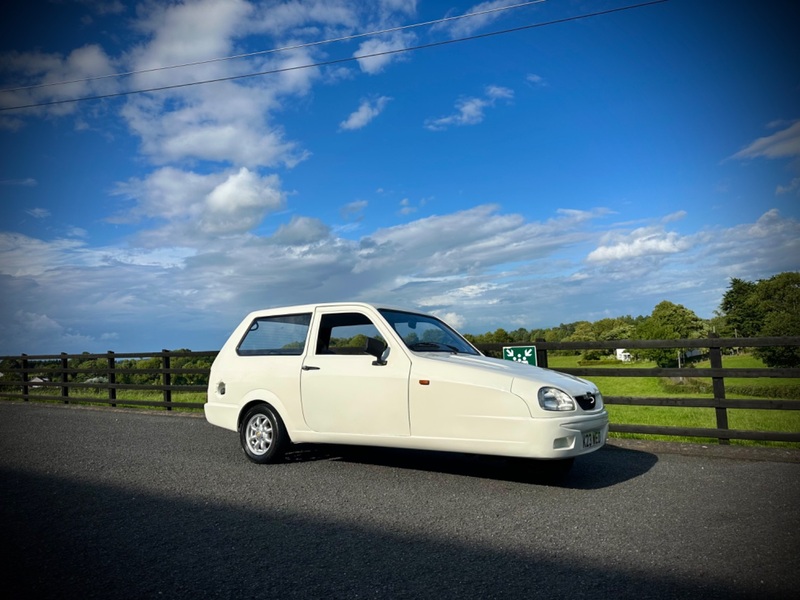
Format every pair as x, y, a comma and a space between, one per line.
172, 376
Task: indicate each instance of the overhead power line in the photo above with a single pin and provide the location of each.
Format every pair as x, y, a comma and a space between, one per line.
337, 61
345, 38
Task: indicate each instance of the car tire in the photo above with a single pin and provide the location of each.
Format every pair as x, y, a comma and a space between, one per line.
263, 435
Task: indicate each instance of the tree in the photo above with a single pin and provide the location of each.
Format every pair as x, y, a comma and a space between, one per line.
743, 315
669, 321
767, 308
584, 332
653, 330
623, 332
500, 336
678, 319
779, 298
520, 335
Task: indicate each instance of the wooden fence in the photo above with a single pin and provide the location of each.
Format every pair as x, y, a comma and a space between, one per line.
60, 377
55, 377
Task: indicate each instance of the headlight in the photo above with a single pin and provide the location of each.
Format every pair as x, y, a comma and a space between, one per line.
554, 399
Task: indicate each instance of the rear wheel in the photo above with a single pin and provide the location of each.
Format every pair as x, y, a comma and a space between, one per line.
263, 435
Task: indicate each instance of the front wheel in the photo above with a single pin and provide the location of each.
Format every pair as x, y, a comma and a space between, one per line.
263, 435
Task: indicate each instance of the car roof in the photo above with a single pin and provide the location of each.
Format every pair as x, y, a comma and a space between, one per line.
303, 308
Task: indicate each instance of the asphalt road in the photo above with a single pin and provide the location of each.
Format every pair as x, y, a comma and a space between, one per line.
102, 503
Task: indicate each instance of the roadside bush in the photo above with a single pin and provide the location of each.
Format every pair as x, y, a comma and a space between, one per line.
784, 392
600, 362
698, 386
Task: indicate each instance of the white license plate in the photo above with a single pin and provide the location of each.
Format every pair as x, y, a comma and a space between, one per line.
591, 438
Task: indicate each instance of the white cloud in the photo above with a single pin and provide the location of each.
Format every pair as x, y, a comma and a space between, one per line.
321, 18
28, 182
39, 213
38, 68
43, 333
536, 80
451, 318
24, 256
794, 186
470, 111
781, 144
228, 122
244, 191
167, 258
73, 231
467, 26
354, 210
186, 32
462, 242
641, 242
224, 123
364, 114
676, 216
375, 54
496, 92
105, 7
489, 268
406, 208
197, 207
301, 231
408, 7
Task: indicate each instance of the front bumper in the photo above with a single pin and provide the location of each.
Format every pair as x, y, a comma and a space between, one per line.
568, 436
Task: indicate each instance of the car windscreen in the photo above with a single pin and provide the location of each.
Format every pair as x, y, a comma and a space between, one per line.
424, 333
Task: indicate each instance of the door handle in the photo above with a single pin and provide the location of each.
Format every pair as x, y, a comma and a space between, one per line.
310, 368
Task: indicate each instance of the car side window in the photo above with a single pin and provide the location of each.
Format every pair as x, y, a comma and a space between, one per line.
345, 333
281, 335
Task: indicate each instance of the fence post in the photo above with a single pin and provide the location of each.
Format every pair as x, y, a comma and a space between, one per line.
64, 377
25, 388
112, 378
166, 379
718, 385
541, 354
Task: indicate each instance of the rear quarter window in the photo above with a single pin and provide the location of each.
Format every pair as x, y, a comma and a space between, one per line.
283, 335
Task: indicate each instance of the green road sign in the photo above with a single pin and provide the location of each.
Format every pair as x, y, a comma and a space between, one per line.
521, 354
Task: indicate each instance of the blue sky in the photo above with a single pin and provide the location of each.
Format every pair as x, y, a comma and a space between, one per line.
584, 169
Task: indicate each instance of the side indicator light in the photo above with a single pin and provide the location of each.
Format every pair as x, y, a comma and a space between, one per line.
424, 381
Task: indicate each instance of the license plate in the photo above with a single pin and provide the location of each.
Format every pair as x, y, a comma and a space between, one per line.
591, 438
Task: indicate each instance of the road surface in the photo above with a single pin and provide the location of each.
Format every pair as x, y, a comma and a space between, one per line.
105, 503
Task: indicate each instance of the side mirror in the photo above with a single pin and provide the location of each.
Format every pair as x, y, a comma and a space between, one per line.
377, 348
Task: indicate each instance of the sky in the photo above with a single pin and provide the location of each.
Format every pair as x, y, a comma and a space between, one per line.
567, 167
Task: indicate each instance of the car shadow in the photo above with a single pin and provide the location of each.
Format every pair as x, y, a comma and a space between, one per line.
92, 540
606, 467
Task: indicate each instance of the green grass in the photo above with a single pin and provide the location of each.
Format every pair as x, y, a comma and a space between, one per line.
654, 387
747, 361
91, 397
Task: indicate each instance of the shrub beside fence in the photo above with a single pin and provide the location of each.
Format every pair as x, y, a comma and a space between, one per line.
166, 377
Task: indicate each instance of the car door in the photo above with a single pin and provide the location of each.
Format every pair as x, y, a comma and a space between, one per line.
343, 389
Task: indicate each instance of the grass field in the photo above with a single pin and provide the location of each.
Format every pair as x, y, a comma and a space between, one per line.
654, 387
90, 397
